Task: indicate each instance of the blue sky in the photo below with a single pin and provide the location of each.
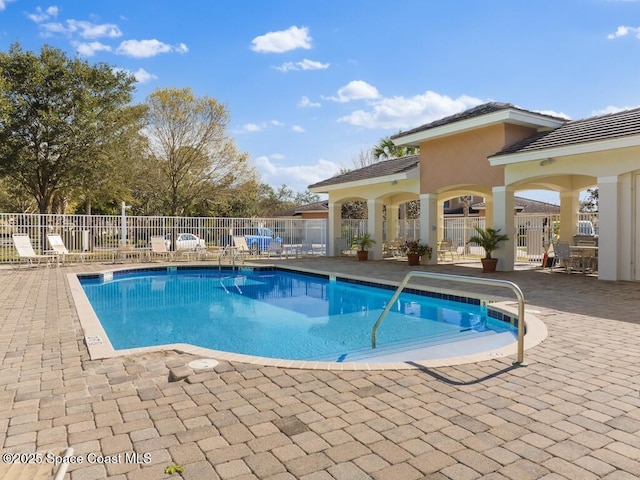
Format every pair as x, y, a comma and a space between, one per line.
310, 84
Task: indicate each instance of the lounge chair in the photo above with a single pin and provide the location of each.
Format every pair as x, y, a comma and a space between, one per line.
58, 246
159, 248
241, 249
22, 242
275, 248
213, 253
307, 249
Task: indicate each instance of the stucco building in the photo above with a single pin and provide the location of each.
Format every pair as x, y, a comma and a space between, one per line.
495, 150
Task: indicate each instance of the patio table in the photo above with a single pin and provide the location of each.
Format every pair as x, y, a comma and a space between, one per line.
586, 253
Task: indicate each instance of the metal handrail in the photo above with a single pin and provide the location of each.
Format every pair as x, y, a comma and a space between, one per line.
464, 279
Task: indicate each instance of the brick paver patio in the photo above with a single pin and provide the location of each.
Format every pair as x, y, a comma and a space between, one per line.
573, 413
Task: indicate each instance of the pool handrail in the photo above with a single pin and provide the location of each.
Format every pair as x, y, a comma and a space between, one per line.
464, 279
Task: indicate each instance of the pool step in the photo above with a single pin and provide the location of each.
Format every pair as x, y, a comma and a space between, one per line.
470, 346
404, 346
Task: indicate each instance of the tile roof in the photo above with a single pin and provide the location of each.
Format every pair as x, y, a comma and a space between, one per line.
321, 206
484, 109
604, 127
528, 205
375, 170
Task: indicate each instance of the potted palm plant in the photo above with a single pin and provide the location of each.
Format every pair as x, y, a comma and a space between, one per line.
489, 239
363, 242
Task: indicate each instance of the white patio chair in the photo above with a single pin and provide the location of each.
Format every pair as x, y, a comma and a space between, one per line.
241, 248
58, 246
275, 248
159, 248
22, 242
564, 258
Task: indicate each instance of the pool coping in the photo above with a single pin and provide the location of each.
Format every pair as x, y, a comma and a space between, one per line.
100, 347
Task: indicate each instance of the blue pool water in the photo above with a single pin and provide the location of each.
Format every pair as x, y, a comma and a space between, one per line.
275, 313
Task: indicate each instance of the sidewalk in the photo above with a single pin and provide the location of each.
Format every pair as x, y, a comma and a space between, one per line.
573, 413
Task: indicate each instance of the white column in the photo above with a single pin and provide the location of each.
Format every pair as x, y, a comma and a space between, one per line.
335, 225
503, 213
392, 222
429, 223
609, 231
374, 227
569, 206
488, 211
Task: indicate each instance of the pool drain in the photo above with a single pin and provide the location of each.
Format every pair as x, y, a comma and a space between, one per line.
203, 364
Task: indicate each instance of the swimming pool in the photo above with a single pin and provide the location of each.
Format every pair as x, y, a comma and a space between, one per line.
274, 313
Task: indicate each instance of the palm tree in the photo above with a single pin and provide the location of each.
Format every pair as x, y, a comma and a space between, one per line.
386, 149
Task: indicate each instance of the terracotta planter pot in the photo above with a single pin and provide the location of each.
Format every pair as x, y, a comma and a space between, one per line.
414, 259
489, 264
363, 255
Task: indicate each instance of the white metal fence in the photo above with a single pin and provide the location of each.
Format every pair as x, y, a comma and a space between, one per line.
533, 232
102, 234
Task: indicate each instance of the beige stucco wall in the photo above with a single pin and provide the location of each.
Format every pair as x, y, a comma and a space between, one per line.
461, 159
393, 193
573, 172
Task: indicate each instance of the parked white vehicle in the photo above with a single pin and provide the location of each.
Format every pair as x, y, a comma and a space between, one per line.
185, 241
585, 227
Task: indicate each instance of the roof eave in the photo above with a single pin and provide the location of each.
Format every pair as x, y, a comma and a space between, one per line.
412, 173
565, 150
513, 116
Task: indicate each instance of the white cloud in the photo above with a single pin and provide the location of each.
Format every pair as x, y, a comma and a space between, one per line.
91, 48
40, 15
298, 129
611, 109
282, 41
554, 113
298, 177
80, 28
258, 127
142, 76
306, 103
623, 31
401, 112
3, 4
91, 30
251, 127
355, 90
53, 28
303, 65
148, 48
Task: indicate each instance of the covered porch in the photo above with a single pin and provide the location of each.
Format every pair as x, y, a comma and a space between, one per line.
498, 149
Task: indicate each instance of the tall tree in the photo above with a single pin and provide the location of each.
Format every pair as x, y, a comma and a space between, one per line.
189, 143
13, 198
60, 115
121, 153
591, 201
364, 158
